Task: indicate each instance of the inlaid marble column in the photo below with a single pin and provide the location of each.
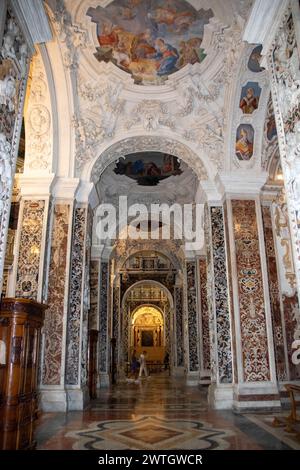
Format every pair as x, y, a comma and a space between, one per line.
54, 396
77, 317
14, 66
179, 333
116, 329
93, 322
221, 360
95, 288
283, 64
255, 380
52, 386
275, 297
29, 274
103, 323
204, 341
192, 324
287, 284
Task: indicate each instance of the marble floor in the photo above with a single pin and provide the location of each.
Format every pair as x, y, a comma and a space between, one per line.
160, 413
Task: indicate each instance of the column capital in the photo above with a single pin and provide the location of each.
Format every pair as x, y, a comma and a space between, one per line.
241, 183
33, 186
87, 193
65, 188
213, 195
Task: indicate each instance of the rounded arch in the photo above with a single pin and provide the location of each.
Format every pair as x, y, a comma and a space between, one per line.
135, 250
154, 246
169, 142
136, 309
149, 282
167, 315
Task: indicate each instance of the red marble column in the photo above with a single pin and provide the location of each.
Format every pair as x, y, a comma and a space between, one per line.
255, 384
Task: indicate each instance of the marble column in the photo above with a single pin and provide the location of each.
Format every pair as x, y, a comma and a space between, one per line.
116, 328
29, 274
14, 62
53, 359
103, 324
287, 284
255, 383
94, 314
283, 64
77, 317
192, 324
179, 332
204, 341
275, 297
221, 358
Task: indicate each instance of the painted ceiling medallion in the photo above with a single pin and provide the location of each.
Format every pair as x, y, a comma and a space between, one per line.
150, 39
148, 168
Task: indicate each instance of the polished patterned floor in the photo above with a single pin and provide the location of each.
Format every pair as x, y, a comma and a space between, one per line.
160, 413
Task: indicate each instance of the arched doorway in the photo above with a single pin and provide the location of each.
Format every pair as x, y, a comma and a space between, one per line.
147, 311
147, 332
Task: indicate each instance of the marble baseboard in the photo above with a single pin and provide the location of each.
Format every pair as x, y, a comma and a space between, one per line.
204, 378
248, 397
192, 379
53, 401
77, 398
177, 371
104, 380
220, 397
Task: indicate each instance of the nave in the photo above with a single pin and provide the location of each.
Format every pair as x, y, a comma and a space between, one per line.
159, 413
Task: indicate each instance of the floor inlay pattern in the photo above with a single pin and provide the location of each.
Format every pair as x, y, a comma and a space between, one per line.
158, 414
265, 422
151, 433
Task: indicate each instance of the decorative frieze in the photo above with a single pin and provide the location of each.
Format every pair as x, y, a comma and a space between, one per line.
30, 246
54, 315
254, 343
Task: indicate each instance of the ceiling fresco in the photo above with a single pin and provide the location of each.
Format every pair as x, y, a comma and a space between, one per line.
148, 168
150, 39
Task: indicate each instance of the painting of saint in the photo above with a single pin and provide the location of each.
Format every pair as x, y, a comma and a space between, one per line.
254, 60
147, 338
150, 41
250, 97
244, 142
148, 168
271, 128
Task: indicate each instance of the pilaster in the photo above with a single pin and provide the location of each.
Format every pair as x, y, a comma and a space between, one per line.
255, 382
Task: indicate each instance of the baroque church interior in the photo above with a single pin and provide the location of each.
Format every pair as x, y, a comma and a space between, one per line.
126, 117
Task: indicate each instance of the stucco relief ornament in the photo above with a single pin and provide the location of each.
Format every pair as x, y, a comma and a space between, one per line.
209, 138
5, 171
89, 132
71, 36
8, 92
151, 114
38, 137
9, 39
